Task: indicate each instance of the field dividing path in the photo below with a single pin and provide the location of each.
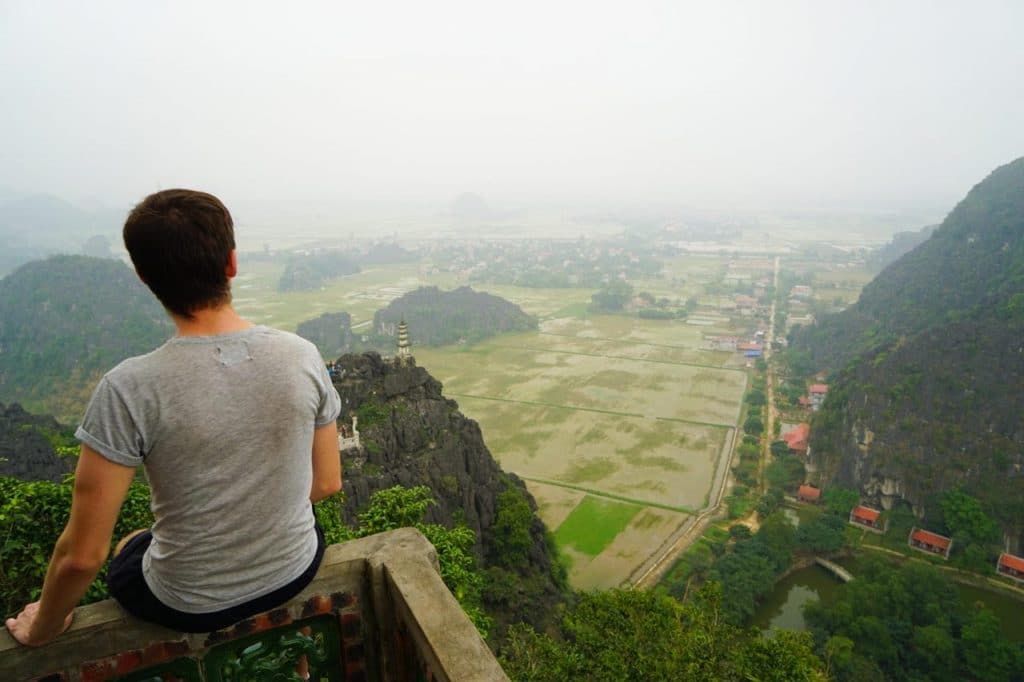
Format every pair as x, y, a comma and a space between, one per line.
652, 571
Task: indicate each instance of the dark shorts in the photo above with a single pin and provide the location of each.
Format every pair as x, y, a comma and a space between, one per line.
129, 588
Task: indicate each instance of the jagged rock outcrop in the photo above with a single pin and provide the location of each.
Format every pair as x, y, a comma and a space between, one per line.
26, 447
412, 435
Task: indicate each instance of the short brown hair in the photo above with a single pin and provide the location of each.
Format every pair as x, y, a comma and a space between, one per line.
180, 241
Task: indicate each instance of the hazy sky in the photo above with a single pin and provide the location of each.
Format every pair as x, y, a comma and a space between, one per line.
809, 104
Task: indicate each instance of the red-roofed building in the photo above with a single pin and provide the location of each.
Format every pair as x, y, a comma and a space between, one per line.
749, 346
808, 493
931, 543
866, 517
804, 401
818, 393
1011, 566
797, 438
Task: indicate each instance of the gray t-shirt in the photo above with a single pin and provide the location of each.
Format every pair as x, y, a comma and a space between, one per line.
224, 427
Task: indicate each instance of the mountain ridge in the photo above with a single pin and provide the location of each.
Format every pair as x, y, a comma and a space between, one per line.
927, 368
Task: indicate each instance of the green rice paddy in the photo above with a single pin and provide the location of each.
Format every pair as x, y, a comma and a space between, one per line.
594, 524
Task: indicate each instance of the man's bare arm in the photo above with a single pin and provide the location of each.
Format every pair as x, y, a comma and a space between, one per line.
326, 462
100, 488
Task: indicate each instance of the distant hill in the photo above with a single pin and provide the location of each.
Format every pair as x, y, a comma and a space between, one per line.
331, 333
928, 366
66, 320
310, 272
902, 242
437, 317
36, 226
383, 252
471, 206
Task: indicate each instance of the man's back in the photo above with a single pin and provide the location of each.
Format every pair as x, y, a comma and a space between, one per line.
224, 425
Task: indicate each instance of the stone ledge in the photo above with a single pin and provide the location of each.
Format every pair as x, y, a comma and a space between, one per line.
391, 580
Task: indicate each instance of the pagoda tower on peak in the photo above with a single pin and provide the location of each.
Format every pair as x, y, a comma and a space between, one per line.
404, 356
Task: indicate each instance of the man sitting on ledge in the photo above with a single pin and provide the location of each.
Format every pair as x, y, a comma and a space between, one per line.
235, 426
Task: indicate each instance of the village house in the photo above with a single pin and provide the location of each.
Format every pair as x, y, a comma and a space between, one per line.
930, 543
866, 517
797, 439
817, 393
809, 494
1011, 566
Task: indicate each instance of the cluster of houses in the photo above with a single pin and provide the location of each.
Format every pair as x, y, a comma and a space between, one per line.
744, 305
922, 540
732, 344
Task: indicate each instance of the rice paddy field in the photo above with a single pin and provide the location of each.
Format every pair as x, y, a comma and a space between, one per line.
616, 423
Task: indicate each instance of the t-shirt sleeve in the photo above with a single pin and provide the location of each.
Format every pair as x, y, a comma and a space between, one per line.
109, 429
330, 403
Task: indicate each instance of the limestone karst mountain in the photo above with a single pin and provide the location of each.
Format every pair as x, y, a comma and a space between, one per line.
928, 366
66, 320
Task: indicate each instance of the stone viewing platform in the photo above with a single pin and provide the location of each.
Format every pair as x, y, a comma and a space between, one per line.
377, 610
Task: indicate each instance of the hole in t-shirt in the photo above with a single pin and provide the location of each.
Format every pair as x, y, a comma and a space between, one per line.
233, 353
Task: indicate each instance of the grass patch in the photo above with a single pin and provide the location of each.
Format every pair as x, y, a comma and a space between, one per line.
577, 310
593, 524
591, 470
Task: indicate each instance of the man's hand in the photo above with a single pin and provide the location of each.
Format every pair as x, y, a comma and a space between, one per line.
24, 628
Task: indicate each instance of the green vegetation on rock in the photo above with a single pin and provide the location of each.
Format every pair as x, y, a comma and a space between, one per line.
64, 322
437, 317
928, 374
645, 637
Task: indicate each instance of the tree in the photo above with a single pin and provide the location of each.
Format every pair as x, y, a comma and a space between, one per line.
645, 637
753, 425
821, 534
785, 472
966, 519
511, 529
612, 297
840, 501
988, 655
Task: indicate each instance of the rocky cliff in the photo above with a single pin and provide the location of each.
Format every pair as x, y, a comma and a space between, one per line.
928, 367
412, 435
28, 446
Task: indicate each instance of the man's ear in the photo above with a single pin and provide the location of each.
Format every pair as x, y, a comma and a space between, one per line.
231, 269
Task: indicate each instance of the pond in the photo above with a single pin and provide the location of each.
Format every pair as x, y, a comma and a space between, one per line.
783, 607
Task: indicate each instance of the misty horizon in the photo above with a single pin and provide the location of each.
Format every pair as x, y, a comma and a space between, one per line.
796, 107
